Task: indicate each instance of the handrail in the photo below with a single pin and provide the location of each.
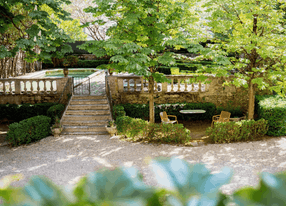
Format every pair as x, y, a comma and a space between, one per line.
108, 94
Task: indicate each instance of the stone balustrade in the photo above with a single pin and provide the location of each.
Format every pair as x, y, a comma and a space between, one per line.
177, 84
181, 88
25, 90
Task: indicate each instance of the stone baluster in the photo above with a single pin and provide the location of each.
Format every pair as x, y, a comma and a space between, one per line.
200, 86
120, 85
172, 84
38, 86
128, 85
25, 86
45, 86
156, 87
10, 86
4, 87
142, 84
193, 87
186, 85
164, 86
179, 84
52, 86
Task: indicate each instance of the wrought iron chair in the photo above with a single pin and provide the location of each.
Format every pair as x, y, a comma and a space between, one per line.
165, 118
223, 117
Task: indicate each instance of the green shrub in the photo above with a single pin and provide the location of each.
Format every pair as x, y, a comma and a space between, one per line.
118, 111
79, 64
55, 111
180, 183
140, 129
28, 130
273, 109
235, 111
131, 127
237, 131
23, 111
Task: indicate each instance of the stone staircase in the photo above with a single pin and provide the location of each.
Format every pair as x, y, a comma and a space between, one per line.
86, 115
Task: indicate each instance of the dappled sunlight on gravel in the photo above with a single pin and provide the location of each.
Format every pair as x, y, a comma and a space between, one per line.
66, 159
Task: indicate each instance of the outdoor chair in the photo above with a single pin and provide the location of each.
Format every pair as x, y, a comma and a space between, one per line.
165, 118
223, 117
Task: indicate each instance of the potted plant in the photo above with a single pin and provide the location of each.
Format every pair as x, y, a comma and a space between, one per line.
57, 127
111, 127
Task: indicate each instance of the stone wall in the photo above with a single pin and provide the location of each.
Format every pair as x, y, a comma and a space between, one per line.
213, 92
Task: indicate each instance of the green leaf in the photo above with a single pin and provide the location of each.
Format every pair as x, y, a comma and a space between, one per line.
190, 181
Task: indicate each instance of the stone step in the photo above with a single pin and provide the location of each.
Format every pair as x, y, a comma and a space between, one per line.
87, 112
89, 102
85, 133
77, 97
84, 123
87, 107
84, 129
86, 117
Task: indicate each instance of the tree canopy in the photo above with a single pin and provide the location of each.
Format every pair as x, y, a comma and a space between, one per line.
144, 34
24, 26
249, 42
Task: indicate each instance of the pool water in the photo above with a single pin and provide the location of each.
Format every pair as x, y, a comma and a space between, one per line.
81, 73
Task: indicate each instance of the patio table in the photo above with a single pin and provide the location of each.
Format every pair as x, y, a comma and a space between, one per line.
192, 111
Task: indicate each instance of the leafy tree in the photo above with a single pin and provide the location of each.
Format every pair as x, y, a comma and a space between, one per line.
71, 27
248, 40
33, 29
94, 30
144, 35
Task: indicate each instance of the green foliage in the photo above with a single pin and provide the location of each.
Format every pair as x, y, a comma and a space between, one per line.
28, 130
273, 109
225, 132
180, 184
79, 64
55, 111
235, 111
142, 110
27, 26
139, 129
24, 111
118, 111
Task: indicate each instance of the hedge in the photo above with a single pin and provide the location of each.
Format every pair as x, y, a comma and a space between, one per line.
28, 130
273, 109
18, 113
80, 64
237, 131
139, 129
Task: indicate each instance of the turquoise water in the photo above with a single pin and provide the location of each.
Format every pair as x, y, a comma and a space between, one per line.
80, 73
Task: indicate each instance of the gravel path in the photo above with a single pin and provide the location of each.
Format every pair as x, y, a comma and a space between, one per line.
67, 158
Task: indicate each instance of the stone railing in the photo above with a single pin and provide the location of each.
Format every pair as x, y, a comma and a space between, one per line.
185, 88
24, 90
28, 86
177, 84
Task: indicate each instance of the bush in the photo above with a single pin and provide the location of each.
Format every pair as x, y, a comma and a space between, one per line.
237, 131
118, 111
79, 64
273, 109
55, 111
140, 129
180, 183
24, 111
29, 130
235, 111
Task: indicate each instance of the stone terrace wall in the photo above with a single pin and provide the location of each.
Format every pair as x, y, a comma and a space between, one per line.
36, 90
123, 91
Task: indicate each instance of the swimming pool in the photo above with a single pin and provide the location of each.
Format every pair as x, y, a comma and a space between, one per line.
80, 73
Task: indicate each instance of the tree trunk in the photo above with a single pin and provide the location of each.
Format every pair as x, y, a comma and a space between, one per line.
251, 96
151, 100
